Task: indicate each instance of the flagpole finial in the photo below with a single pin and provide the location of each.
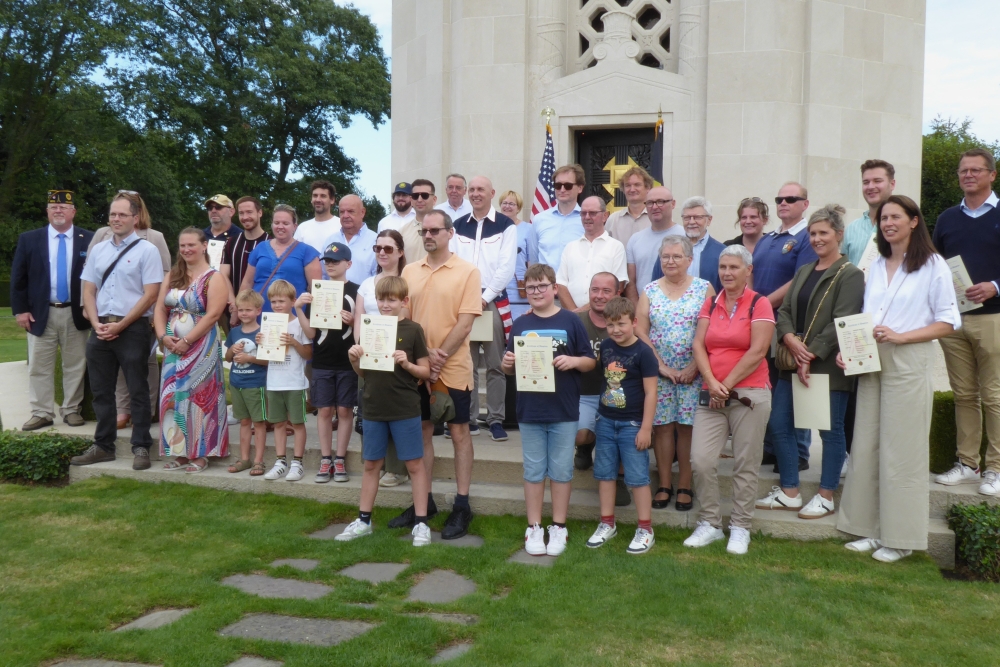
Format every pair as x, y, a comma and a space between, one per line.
548, 112
659, 112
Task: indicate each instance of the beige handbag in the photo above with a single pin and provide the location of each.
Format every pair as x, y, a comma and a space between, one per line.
784, 360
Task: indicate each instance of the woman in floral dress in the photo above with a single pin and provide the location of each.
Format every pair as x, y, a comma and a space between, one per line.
193, 392
668, 316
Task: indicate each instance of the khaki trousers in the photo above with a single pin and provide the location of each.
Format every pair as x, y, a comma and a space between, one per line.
711, 430
972, 355
60, 333
886, 495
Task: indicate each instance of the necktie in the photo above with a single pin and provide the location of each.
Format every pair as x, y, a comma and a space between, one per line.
62, 280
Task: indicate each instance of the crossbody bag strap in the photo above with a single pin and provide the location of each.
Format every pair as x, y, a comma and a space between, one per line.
805, 338
281, 260
107, 272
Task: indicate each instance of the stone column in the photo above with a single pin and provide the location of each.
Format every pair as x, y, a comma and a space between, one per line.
692, 62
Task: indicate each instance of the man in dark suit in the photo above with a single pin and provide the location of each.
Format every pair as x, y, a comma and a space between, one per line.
45, 298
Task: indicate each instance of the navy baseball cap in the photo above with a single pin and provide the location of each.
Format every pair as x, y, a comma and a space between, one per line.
403, 187
337, 252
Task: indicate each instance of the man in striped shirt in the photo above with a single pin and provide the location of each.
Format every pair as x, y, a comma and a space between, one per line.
238, 249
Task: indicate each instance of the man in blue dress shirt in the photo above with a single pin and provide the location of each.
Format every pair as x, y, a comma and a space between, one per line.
552, 229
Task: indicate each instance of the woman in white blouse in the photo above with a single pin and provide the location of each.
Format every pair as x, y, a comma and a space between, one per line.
911, 299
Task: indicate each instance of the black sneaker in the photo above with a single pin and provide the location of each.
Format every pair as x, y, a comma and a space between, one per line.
457, 523
357, 426
409, 516
584, 459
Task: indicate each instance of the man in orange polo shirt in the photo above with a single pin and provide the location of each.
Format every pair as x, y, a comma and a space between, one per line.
445, 298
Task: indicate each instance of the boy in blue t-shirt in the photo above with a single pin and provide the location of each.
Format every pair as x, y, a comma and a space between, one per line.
248, 382
548, 420
625, 424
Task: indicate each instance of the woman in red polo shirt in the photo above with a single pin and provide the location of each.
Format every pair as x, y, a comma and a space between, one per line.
734, 333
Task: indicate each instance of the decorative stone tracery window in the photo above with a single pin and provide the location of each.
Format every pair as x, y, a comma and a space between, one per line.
651, 23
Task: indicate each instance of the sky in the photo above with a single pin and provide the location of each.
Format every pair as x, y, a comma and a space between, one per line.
961, 79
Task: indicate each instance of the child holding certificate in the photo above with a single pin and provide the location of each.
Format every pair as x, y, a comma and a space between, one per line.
286, 384
391, 406
547, 416
248, 382
334, 383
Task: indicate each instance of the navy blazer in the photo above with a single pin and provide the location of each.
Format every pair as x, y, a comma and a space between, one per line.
709, 269
30, 283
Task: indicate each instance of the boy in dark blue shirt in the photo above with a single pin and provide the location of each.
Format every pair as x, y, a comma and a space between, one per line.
625, 424
248, 382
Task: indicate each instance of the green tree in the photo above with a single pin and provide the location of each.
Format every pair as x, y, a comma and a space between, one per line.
943, 147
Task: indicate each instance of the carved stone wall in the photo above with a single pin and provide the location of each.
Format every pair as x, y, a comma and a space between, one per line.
651, 27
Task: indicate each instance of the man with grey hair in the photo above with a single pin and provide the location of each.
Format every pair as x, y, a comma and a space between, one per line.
456, 205
696, 216
589, 255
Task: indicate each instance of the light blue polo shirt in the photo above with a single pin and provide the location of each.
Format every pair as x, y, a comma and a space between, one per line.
125, 287
856, 238
550, 232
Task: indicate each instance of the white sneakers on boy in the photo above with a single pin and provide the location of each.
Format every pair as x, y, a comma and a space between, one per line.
703, 535
421, 535
642, 542
991, 484
739, 540
603, 533
960, 474
817, 508
864, 545
557, 540
296, 472
354, 530
888, 555
534, 540
777, 500
278, 471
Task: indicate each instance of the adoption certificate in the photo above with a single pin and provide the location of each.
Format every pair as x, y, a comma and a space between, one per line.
856, 335
328, 301
811, 404
482, 327
272, 325
215, 249
962, 281
378, 339
868, 256
533, 364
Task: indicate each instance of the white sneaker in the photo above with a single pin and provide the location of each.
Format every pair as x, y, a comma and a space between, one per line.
230, 419
391, 479
278, 471
887, 555
296, 472
817, 508
356, 529
843, 470
421, 535
534, 540
991, 484
603, 533
960, 474
557, 540
642, 542
864, 545
777, 500
739, 540
703, 535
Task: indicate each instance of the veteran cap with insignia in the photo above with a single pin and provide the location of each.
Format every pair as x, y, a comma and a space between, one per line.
403, 188
221, 200
60, 197
337, 252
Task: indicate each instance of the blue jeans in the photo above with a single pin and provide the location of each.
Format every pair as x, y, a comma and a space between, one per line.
782, 425
616, 444
803, 436
547, 450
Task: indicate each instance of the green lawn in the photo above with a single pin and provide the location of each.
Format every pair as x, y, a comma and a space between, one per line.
13, 339
78, 561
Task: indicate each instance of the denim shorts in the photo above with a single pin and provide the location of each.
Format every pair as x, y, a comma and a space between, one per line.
406, 434
588, 413
616, 445
548, 451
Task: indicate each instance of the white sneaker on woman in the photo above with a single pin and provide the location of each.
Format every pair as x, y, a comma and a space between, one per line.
889, 555
777, 500
864, 545
817, 508
739, 540
960, 474
534, 540
703, 535
278, 471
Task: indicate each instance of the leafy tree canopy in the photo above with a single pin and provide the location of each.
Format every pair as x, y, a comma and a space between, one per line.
943, 147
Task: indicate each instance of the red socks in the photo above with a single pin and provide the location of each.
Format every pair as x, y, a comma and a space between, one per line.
646, 525
610, 520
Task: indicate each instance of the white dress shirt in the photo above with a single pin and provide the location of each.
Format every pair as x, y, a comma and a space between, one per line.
394, 220
582, 259
54, 261
912, 300
494, 256
465, 208
984, 208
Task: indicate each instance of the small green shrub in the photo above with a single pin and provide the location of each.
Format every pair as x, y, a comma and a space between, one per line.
977, 537
37, 457
944, 434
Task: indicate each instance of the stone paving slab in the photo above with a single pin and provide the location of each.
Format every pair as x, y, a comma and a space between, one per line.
98, 663
451, 653
251, 661
473, 541
461, 619
441, 586
301, 564
156, 619
329, 532
525, 558
375, 573
296, 630
271, 587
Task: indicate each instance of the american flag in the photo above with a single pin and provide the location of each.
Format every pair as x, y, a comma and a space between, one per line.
545, 196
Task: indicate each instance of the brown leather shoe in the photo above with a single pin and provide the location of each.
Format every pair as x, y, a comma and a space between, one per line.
74, 419
94, 454
36, 423
124, 423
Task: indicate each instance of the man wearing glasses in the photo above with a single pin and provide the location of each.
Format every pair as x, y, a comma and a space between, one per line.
643, 250
445, 298
424, 199
971, 231
220, 217
45, 300
552, 229
402, 208
456, 205
696, 216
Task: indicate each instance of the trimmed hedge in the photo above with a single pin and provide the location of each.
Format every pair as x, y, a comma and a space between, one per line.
944, 434
37, 457
977, 538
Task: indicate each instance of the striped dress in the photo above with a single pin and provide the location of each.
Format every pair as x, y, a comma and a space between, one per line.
192, 390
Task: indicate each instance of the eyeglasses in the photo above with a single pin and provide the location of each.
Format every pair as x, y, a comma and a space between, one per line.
537, 289
658, 203
421, 195
676, 259
591, 214
387, 249
972, 171
788, 200
562, 185
693, 218
433, 231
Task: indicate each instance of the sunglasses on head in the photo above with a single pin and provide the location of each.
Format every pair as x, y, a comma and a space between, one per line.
421, 195
561, 185
788, 200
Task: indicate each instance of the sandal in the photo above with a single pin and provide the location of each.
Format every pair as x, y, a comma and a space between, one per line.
663, 504
193, 466
257, 470
240, 465
684, 507
174, 465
